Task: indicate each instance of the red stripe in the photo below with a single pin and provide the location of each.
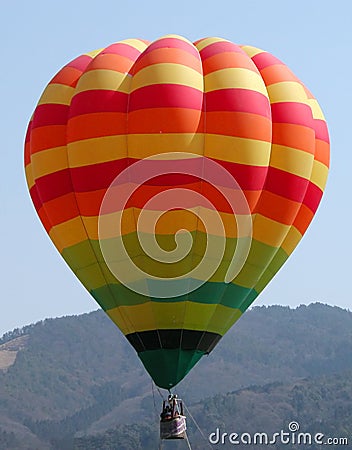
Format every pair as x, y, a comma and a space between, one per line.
100, 176
166, 96
97, 176
292, 112
242, 100
286, 184
98, 100
173, 43
265, 59
313, 197
250, 178
219, 47
35, 197
28, 132
50, 114
54, 185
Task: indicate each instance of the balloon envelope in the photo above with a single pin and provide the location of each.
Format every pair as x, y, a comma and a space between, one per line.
175, 179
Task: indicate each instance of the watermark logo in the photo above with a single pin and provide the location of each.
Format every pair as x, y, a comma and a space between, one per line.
291, 436
141, 197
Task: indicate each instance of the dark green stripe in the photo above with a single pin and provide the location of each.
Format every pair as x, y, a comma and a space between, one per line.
168, 367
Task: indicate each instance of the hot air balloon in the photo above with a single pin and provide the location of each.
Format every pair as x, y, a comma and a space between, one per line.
146, 161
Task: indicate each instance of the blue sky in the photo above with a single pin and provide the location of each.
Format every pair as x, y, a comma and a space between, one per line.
312, 37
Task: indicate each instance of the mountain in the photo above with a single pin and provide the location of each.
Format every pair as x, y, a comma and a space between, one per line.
318, 409
78, 376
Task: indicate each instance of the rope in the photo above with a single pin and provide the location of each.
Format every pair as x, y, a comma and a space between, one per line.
155, 410
188, 443
198, 427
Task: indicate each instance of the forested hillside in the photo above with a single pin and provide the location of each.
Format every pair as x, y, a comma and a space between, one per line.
78, 376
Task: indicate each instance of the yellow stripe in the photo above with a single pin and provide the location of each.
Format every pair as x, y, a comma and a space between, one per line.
291, 240
49, 161
143, 145
104, 79
292, 160
29, 175
224, 319
97, 150
94, 53
251, 51
157, 315
319, 174
176, 36
264, 280
208, 41
167, 73
316, 110
234, 78
68, 233
287, 91
135, 43
225, 148
269, 231
238, 150
92, 277
171, 220
57, 93
249, 275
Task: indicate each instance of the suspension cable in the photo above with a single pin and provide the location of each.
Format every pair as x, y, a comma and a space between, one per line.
198, 427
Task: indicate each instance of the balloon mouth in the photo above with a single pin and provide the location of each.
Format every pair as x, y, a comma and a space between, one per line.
167, 367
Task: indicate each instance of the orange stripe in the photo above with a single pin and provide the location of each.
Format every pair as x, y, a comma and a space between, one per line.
276, 74
44, 219
89, 203
67, 76
61, 209
277, 208
322, 152
295, 136
50, 136
111, 62
303, 219
226, 60
239, 124
166, 55
164, 120
97, 124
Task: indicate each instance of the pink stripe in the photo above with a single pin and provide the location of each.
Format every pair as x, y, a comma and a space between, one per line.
219, 47
80, 63
291, 112
122, 49
321, 130
173, 43
265, 59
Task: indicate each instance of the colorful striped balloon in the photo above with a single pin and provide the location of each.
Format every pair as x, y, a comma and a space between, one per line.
146, 161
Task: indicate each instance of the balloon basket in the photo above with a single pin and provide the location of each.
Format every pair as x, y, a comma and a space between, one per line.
172, 419
173, 428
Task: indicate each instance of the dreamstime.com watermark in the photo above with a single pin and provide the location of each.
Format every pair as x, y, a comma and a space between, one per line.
291, 436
